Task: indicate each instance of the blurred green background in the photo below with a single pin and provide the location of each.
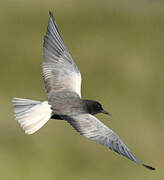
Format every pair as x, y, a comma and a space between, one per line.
119, 49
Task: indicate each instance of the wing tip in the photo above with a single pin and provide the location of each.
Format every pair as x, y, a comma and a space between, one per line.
51, 15
148, 167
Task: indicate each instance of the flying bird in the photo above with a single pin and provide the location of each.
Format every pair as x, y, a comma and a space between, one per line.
62, 81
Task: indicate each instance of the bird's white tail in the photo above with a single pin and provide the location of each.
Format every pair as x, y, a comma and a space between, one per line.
30, 114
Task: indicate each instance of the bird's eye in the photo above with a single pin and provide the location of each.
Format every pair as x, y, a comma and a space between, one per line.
99, 106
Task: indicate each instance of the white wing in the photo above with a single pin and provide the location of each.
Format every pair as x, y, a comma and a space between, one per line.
59, 70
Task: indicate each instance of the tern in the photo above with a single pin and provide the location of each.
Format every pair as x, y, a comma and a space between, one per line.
62, 81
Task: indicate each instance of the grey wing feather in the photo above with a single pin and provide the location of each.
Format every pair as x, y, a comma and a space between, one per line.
59, 70
90, 127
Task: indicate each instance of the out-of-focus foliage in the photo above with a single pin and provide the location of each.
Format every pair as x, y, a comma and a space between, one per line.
119, 48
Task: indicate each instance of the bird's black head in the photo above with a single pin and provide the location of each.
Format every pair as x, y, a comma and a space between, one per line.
94, 107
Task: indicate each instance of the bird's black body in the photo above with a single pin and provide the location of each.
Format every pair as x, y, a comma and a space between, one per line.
87, 106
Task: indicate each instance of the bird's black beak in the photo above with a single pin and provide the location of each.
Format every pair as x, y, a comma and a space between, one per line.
106, 112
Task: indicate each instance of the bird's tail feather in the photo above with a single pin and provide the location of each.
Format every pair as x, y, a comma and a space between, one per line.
30, 114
